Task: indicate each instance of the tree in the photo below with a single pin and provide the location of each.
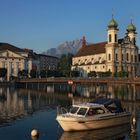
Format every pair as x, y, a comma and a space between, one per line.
23, 73
33, 73
43, 73
75, 73
92, 74
64, 64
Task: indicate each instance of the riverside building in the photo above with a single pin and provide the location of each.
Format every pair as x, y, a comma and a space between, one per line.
114, 55
14, 59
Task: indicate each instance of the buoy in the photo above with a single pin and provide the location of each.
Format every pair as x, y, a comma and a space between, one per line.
34, 133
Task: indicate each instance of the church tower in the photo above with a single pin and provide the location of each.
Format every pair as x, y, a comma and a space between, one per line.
131, 32
112, 46
112, 32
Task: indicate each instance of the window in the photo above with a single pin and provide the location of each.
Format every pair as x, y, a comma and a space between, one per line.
122, 57
115, 37
135, 58
82, 111
131, 58
127, 57
95, 111
131, 68
109, 57
116, 57
110, 38
74, 110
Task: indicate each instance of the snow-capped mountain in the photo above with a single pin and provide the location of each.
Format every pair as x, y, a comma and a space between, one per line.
65, 48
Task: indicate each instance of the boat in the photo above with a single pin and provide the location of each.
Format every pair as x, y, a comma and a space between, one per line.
97, 114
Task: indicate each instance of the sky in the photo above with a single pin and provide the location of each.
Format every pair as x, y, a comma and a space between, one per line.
43, 24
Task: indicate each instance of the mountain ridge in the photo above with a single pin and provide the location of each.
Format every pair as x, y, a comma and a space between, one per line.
65, 48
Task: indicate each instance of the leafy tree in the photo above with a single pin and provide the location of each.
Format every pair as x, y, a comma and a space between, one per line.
23, 73
43, 73
33, 73
108, 73
124, 74
64, 65
75, 73
92, 74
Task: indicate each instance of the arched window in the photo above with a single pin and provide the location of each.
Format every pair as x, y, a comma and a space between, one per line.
115, 37
127, 57
110, 39
109, 56
135, 58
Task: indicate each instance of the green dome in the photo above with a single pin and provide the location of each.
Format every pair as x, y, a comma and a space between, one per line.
112, 24
131, 27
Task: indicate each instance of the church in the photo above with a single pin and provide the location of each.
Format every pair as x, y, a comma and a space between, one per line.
114, 55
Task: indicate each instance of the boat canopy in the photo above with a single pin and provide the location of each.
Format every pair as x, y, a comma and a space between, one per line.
111, 104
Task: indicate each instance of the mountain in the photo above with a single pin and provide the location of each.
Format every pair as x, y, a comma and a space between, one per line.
65, 48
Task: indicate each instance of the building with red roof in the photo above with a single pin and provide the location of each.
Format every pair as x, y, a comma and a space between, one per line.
114, 55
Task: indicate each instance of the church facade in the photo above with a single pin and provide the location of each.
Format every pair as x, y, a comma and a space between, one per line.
114, 55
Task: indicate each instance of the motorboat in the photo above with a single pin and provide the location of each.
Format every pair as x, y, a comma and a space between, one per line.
97, 114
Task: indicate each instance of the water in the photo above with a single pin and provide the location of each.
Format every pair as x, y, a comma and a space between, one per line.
23, 110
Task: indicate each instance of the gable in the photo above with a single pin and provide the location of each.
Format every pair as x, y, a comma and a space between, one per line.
10, 54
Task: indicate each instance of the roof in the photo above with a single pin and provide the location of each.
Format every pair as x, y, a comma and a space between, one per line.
6, 46
131, 27
112, 24
87, 105
92, 49
107, 102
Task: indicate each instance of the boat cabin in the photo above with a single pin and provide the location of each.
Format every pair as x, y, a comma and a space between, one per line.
96, 107
87, 110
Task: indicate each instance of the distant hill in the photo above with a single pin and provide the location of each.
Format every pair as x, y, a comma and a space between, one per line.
65, 48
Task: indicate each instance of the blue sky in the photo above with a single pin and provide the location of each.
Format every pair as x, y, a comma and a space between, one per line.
44, 24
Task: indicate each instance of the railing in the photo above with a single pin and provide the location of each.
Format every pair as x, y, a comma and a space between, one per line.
80, 80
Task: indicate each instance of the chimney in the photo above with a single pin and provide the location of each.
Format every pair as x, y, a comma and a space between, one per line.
83, 42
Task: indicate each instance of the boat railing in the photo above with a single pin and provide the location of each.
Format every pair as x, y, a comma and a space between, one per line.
61, 110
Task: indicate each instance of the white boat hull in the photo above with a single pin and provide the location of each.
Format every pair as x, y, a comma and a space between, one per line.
89, 123
111, 133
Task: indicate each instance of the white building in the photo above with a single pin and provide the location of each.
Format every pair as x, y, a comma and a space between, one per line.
14, 60
114, 55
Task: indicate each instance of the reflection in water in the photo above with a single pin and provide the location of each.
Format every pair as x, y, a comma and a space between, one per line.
114, 133
16, 104
128, 92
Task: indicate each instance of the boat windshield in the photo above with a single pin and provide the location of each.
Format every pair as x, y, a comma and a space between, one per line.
82, 111
73, 110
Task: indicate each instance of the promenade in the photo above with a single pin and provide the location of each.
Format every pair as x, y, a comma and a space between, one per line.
81, 80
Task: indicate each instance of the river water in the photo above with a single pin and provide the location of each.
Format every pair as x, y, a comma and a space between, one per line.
22, 110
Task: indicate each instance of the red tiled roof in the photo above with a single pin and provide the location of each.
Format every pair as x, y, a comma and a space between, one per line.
92, 49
